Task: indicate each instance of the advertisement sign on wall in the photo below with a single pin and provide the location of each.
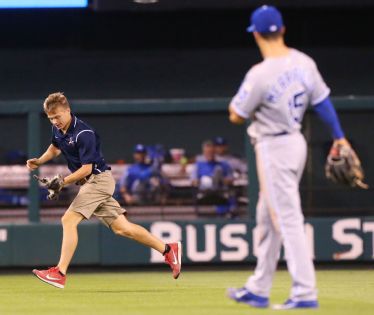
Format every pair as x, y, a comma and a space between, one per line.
207, 242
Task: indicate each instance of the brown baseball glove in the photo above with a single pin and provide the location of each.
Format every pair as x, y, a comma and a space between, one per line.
343, 166
54, 185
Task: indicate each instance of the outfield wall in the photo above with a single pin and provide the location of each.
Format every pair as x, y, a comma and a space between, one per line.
187, 122
333, 238
329, 239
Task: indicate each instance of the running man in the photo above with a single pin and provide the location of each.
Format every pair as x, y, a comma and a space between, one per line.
80, 145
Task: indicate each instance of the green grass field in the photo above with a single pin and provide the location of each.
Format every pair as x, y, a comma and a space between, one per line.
196, 292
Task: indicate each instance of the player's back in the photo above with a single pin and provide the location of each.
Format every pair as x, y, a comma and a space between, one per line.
277, 91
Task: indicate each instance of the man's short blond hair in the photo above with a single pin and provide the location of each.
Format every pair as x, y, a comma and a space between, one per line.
55, 100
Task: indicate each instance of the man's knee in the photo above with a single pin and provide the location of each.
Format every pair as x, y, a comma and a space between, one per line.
71, 218
122, 227
125, 231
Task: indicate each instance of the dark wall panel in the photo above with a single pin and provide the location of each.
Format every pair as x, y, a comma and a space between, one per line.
163, 73
190, 53
119, 133
13, 131
322, 197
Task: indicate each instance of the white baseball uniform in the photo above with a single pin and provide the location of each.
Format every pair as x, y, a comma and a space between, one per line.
274, 96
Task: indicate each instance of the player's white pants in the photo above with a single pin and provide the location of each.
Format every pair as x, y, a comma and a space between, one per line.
280, 164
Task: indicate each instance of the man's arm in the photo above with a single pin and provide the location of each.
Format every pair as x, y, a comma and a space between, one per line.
49, 154
247, 99
123, 183
234, 117
228, 174
326, 112
126, 195
195, 175
79, 174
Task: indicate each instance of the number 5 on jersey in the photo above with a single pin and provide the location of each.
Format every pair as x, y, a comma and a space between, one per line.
297, 106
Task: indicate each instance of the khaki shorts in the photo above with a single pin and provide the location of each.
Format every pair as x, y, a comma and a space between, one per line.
95, 198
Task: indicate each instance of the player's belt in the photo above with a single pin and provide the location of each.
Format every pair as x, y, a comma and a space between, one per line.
280, 133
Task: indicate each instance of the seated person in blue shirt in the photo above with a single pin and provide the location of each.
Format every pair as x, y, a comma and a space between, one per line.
210, 174
222, 151
140, 183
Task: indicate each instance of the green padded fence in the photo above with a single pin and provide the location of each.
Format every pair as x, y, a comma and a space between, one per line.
213, 241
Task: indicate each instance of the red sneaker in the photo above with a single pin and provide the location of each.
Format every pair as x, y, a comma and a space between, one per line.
51, 276
174, 258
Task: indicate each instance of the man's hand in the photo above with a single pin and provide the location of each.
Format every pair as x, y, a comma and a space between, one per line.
234, 117
128, 198
228, 181
343, 165
195, 182
54, 185
33, 164
342, 142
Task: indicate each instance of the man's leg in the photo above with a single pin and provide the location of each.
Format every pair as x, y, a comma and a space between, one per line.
217, 178
299, 260
283, 163
172, 252
257, 288
121, 226
56, 275
70, 222
139, 191
268, 251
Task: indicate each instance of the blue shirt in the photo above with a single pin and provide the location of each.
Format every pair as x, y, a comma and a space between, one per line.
138, 171
206, 168
80, 145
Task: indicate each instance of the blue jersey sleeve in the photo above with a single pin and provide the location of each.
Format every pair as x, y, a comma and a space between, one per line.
326, 112
129, 179
122, 180
196, 173
86, 142
227, 170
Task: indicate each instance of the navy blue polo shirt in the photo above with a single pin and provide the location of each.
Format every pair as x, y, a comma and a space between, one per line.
80, 145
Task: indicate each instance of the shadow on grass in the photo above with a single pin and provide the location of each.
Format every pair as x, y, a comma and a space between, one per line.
129, 291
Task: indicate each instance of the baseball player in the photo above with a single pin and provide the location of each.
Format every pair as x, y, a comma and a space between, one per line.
274, 96
80, 145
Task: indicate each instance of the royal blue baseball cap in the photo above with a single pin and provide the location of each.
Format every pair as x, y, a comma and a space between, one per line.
266, 19
140, 148
220, 141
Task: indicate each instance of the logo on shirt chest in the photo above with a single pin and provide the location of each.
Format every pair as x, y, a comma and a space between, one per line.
71, 141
